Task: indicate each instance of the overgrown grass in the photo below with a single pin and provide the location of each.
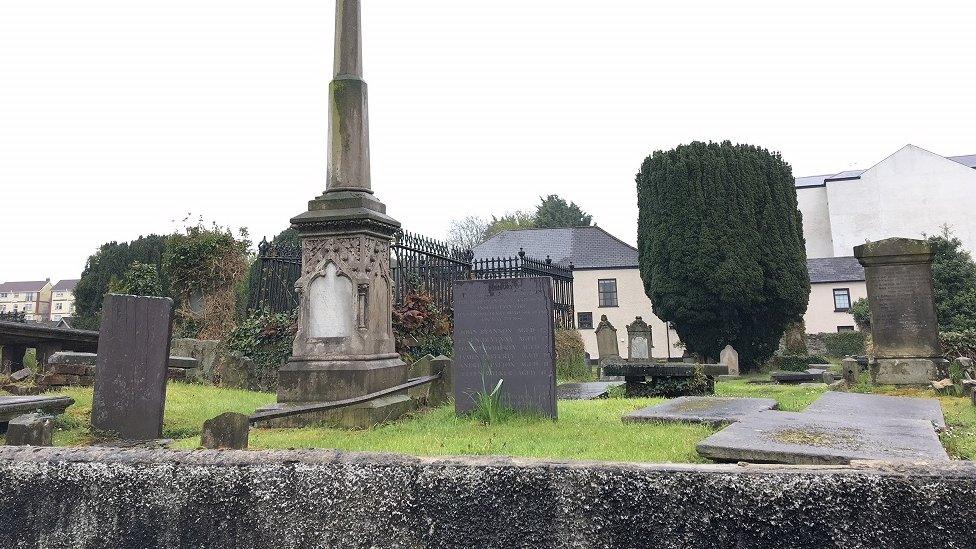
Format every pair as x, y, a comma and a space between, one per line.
586, 430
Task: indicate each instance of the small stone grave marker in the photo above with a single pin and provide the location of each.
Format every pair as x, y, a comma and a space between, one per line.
130, 379
227, 431
31, 430
730, 357
715, 411
503, 329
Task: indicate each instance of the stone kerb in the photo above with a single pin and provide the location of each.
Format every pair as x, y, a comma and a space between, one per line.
60, 497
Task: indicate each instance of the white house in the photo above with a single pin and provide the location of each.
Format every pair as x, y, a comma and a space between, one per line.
910, 193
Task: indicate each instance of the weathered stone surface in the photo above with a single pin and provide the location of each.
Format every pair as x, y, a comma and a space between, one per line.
358, 416
810, 439
227, 431
21, 375
130, 379
30, 430
855, 406
585, 391
318, 499
442, 390
207, 352
850, 370
813, 375
639, 340
730, 358
904, 328
503, 330
606, 340
714, 411
13, 406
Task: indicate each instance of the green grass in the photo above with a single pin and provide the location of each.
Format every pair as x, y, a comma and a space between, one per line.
586, 430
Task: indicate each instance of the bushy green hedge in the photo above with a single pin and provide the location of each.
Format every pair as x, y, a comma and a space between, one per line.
267, 339
571, 356
843, 344
957, 344
794, 363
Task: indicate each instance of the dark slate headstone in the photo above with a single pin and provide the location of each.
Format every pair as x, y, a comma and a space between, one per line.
31, 430
228, 431
130, 379
509, 322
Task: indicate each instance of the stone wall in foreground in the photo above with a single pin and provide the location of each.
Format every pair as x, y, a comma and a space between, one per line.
95, 498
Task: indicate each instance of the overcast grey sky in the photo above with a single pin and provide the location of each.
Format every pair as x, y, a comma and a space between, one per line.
118, 117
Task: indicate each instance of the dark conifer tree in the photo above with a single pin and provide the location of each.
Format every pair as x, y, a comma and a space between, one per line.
722, 254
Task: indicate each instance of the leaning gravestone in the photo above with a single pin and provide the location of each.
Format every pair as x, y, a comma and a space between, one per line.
638, 340
904, 328
130, 379
503, 329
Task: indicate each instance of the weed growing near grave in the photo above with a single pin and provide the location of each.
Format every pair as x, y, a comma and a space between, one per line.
489, 408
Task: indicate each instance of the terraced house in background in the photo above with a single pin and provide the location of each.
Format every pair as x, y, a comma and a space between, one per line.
39, 300
31, 297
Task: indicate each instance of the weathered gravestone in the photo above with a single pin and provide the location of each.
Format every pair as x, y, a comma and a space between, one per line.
606, 340
730, 357
904, 328
503, 329
130, 379
229, 431
639, 340
31, 430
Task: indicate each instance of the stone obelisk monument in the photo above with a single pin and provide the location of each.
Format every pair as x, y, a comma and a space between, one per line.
344, 347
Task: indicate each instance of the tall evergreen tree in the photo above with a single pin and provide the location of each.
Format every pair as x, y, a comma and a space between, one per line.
721, 246
555, 213
954, 277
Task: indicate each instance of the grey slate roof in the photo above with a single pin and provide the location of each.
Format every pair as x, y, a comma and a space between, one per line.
835, 269
965, 160
23, 286
584, 247
66, 285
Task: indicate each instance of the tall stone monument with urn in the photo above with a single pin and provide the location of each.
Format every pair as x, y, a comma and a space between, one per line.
344, 347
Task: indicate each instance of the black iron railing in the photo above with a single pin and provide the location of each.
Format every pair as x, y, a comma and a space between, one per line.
418, 264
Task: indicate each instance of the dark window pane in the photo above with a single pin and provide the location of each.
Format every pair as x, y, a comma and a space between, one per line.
842, 299
585, 321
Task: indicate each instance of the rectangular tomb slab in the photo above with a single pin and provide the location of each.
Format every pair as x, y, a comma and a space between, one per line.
808, 439
585, 391
14, 406
714, 411
856, 406
504, 330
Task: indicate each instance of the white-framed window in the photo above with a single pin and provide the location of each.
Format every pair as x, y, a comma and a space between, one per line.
584, 321
607, 290
842, 300
30, 296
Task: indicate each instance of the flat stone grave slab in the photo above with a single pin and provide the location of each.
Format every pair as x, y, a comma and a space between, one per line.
585, 391
807, 439
715, 411
813, 375
856, 406
13, 406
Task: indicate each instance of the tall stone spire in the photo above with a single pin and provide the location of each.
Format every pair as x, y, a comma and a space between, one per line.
344, 346
348, 105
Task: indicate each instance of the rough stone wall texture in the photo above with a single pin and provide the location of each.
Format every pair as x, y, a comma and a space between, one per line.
88, 498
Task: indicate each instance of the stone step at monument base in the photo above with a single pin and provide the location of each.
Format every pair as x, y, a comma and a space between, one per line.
908, 371
357, 416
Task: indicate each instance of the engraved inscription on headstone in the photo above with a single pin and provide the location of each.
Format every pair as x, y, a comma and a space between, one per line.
509, 322
133, 353
904, 327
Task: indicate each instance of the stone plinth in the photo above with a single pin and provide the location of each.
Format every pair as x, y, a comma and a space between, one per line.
904, 327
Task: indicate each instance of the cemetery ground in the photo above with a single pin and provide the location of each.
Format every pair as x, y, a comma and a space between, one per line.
586, 430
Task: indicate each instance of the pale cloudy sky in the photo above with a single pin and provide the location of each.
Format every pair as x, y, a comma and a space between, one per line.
118, 117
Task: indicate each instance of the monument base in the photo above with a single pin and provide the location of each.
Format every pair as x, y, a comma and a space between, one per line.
908, 371
332, 380
358, 416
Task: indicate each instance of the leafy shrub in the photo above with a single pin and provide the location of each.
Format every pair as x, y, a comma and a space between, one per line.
959, 344
267, 339
843, 344
794, 363
421, 328
571, 356
140, 279
861, 312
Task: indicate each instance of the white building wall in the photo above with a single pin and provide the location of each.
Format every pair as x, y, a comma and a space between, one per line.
910, 193
632, 302
813, 204
821, 316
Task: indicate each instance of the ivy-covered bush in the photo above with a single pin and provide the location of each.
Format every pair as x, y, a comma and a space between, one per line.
861, 312
571, 356
206, 266
421, 328
267, 339
794, 363
140, 279
843, 344
959, 344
